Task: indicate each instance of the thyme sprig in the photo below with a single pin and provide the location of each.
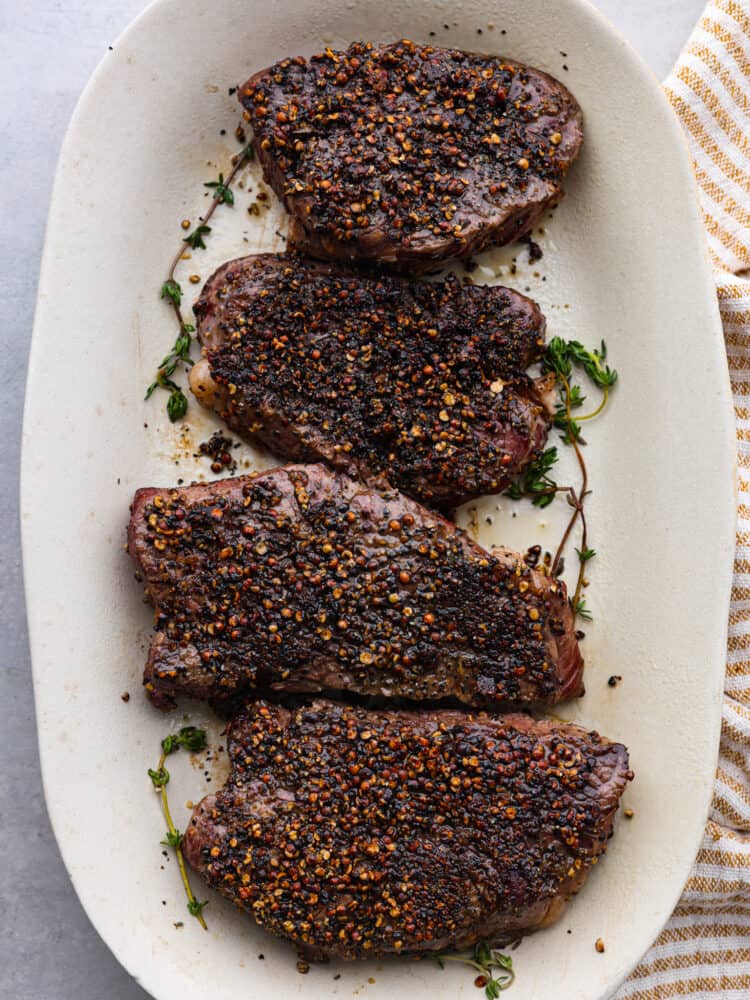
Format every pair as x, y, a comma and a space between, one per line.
486, 961
561, 360
177, 402
563, 354
171, 290
194, 740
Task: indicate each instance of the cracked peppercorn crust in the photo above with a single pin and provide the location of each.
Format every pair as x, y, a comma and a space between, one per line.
299, 579
418, 381
356, 833
409, 155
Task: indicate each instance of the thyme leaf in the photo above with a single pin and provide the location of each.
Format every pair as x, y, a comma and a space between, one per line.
181, 347
581, 611
195, 239
177, 405
535, 481
189, 738
171, 290
222, 192
159, 776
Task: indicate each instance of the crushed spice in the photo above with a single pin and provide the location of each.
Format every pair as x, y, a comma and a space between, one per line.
219, 449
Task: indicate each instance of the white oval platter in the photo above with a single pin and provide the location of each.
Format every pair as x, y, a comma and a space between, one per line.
624, 259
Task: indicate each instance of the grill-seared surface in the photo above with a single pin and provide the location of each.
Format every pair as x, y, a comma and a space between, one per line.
423, 382
356, 833
408, 155
303, 580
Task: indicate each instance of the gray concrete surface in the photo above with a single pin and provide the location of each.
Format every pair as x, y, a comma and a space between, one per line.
48, 948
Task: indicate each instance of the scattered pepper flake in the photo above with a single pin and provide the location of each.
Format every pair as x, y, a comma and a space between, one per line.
219, 449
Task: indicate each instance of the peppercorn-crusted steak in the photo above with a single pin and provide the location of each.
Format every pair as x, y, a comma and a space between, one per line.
409, 155
356, 833
423, 382
299, 579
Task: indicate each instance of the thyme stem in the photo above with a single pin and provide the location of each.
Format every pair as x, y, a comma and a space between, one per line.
239, 161
536, 481
485, 960
600, 407
464, 961
581, 561
194, 740
575, 499
177, 404
178, 849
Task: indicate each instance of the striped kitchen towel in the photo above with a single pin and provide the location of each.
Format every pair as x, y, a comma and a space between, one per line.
705, 949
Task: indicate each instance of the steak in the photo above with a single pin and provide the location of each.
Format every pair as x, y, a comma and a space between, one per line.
410, 155
358, 833
422, 382
298, 579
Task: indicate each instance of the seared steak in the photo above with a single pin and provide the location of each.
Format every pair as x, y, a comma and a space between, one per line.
299, 579
422, 382
409, 155
357, 833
